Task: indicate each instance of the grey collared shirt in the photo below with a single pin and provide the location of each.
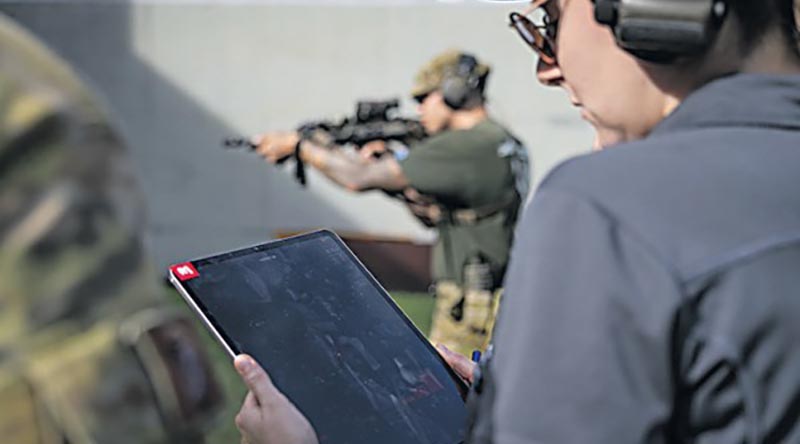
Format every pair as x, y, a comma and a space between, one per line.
654, 287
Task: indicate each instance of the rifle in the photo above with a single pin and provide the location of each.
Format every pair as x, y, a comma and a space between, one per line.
373, 120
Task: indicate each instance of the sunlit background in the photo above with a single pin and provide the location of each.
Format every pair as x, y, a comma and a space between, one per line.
180, 75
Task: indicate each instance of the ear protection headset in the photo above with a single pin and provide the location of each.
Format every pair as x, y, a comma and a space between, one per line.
462, 85
662, 30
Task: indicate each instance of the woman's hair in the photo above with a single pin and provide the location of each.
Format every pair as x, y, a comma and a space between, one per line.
756, 17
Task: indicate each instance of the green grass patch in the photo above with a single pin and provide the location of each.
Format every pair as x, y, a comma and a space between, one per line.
418, 307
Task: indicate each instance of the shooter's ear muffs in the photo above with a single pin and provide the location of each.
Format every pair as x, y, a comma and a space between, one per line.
463, 85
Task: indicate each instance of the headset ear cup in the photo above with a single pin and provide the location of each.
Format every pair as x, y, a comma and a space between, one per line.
661, 31
462, 84
605, 12
455, 92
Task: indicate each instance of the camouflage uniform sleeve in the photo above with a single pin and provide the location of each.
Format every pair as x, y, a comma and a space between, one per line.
73, 270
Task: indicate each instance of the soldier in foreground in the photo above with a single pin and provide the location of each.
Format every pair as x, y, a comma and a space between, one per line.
467, 180
88, 352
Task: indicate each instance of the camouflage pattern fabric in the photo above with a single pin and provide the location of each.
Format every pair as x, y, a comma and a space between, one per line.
73, 271
463, 320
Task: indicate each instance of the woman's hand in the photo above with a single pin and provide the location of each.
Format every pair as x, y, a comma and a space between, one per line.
267, 416
462, 365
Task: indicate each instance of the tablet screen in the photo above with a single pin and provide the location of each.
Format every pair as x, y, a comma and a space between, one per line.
332, 340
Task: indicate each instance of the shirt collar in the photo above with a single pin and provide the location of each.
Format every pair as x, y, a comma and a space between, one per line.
755, 100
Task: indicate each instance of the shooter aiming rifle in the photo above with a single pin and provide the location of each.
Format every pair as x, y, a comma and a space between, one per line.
373, 120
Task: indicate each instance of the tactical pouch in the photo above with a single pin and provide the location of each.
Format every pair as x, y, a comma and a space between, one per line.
170, 352
477, 310
147, 381
445, 327
94, 389
470, 331
478, 297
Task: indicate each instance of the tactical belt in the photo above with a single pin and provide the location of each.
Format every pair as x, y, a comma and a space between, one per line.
471, 216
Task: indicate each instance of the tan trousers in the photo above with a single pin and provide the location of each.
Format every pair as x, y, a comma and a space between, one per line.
463, 322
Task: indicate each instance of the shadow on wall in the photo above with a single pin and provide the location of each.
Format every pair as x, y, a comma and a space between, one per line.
200, 198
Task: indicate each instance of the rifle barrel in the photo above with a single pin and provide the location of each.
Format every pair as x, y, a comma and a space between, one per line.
238, 142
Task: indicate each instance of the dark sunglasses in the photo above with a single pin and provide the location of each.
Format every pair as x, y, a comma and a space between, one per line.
540, 37
419, 98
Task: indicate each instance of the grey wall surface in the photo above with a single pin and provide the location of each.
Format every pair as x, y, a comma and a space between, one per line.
178, 77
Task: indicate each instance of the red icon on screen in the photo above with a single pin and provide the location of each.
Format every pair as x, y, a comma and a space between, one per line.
184, 271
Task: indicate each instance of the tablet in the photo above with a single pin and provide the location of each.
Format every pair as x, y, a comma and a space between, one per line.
330, 337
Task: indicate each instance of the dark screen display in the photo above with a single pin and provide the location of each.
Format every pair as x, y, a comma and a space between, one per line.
332, 341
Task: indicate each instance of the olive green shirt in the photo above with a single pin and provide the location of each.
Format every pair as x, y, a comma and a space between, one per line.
469, 169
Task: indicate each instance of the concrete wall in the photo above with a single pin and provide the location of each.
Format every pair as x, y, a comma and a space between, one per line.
178, 77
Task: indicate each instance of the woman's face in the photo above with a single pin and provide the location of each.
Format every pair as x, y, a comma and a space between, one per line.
606, 83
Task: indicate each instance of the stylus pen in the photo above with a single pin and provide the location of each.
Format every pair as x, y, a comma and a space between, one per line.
476, 355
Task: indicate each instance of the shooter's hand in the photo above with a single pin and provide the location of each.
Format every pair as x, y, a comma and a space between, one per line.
267, 416
373, 150
423, 207
460, 364
276, 146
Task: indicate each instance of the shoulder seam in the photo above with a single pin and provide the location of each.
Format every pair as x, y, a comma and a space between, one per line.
741, 253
